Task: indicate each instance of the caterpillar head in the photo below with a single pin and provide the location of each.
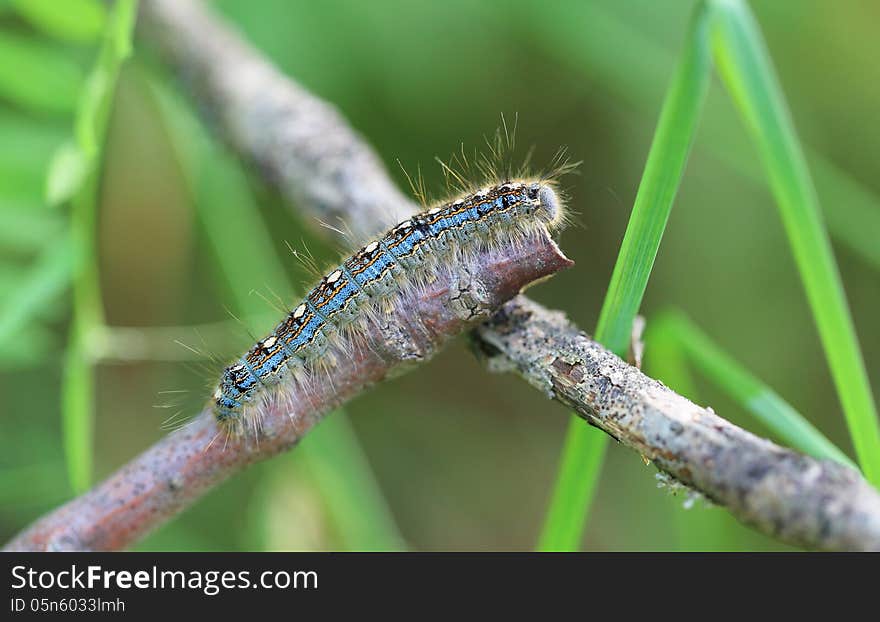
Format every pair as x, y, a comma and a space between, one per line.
547, 204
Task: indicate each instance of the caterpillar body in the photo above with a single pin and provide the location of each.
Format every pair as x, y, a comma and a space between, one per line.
364, 286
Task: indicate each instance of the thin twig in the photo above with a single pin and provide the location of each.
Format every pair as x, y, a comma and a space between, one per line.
306, 149
184, 465
200, 46
785, 494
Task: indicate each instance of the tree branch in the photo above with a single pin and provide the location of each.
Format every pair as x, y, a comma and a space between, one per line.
305, 148
300, 144
795, 498
184, 465
789, 496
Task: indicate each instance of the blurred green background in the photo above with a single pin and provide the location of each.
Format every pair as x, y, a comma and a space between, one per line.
463, 459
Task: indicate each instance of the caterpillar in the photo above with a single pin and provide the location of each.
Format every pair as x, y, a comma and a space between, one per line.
336, 312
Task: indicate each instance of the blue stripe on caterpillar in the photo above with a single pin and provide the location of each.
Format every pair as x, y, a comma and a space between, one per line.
373, 274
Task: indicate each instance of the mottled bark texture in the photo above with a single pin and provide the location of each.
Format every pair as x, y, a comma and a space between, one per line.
197, 44
798, 499
307, 151
184, 465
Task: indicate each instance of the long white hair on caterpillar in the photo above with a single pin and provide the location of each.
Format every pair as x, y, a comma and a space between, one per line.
493, 204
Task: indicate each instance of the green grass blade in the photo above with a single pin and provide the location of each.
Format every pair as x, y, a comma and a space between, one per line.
46, 279
77, 410
854, 215
852, 211
37, 76
744, 64
79, 21
337, 462
666, 360
576, 483
227, 211
752, 394
663, 172
77, 388
696, 528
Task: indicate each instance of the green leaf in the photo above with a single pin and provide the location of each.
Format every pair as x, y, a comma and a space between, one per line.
752, 394
745, 67
78, 21
67, 172
852, 211
124, 18
44, 281
343, 473
37, 76
697, 529
97, 96
77, 410
660, 180
34, 225
663, 171
77, 389
576, 485
666, 359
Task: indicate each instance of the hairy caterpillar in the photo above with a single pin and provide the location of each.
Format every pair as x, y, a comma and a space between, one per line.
337, 311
